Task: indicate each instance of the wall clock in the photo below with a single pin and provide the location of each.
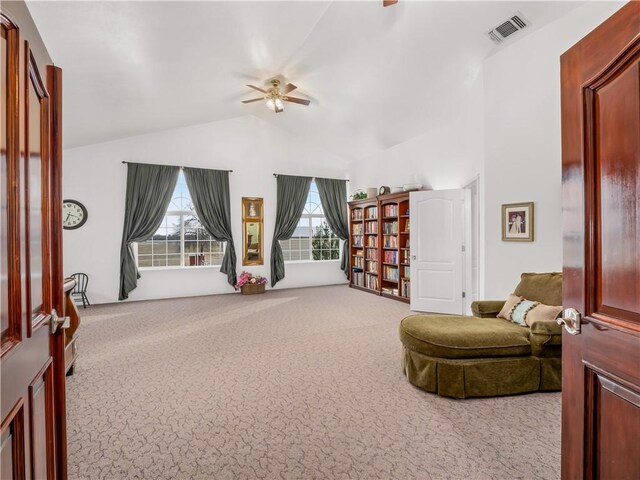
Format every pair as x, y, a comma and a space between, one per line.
384, 190
74, 214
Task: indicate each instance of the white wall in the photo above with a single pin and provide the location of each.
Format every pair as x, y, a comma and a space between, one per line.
252, 148
447, 156
523, 158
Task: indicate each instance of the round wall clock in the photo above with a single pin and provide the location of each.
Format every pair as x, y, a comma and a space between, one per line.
384, 190
74, 214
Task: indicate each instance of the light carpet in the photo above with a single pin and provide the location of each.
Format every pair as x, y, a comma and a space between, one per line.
295, 384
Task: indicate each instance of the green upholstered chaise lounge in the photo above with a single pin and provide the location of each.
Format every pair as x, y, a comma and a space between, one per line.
481, 356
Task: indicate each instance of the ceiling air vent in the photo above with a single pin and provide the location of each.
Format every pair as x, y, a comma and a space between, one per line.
508, 28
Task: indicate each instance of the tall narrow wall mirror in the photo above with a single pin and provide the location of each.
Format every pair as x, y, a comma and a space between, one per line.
252, 231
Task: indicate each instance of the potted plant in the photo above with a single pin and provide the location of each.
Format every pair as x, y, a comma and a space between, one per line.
250, 284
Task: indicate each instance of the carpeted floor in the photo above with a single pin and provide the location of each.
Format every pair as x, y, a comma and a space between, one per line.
295, 384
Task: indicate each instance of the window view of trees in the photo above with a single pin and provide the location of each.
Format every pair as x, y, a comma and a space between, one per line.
312, 238
181, 240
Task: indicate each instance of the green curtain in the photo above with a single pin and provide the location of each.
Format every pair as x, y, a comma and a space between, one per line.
291, 198
149, 190
333, 196
210, 195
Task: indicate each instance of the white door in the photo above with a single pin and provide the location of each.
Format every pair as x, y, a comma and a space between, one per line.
438, 260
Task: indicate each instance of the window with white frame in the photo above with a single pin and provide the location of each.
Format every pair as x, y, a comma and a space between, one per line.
312, 239
181, 240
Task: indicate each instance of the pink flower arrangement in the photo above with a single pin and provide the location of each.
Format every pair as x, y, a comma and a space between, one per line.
247, 277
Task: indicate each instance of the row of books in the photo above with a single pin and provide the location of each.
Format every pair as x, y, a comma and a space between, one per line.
390, 273
358, 261
356, 214
372, 266
405, 287
391, 256
372, 241
406, 256
356, 229
362, 279
390, 228
372, 254
390, 291
371, 281
371, 227
407, 272
356, 241
390, 241
390, 211
372, 212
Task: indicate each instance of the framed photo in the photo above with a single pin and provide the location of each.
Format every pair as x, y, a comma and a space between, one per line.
252, 231
517, 222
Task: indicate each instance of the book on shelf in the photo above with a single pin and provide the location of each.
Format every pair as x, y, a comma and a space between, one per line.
390, 211
372, 266
356, 229
407, 272
390, 241
390, 291
358, 261
391, 256
371, 212
356, 241
405, 288
372, 241
372, 254
406, 256
390, 228
371, 227
407, 226
356, 214
390, 273
357, 277
371, 281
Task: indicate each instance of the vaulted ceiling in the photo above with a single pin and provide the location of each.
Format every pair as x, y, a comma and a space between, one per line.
376, 76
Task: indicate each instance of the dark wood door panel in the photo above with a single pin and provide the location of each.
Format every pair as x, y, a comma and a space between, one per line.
600, 102
41, 424
12, 437
616, 419
617, 164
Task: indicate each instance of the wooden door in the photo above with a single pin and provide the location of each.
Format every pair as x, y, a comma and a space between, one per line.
32, 442
601, 207
438, 260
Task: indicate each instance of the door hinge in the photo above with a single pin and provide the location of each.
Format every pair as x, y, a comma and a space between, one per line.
464, 248
464, 294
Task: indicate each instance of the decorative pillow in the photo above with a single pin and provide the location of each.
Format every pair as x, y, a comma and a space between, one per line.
519, 313
509, 305
542, 312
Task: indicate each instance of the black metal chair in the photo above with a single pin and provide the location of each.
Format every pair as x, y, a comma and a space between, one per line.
80, 290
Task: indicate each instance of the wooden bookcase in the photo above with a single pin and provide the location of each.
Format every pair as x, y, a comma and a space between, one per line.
379, 249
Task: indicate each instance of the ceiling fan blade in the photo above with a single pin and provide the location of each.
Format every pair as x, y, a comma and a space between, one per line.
257, 88
388, 3
296, 100
252, 100
289, 87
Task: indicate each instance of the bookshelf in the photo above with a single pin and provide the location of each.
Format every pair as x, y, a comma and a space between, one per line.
380, 245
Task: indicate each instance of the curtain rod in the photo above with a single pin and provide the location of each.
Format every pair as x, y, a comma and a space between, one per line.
286, 175
179, 166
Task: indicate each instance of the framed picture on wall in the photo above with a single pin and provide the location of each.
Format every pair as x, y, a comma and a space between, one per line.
517, 222
252, 231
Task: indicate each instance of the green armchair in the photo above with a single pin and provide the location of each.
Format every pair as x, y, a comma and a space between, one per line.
462, 357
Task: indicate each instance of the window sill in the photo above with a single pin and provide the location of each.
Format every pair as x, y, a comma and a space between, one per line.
194, 267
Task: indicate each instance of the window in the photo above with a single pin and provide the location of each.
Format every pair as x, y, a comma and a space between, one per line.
181, 240
312, 239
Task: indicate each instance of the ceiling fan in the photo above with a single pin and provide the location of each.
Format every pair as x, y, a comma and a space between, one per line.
388, 3
274, 96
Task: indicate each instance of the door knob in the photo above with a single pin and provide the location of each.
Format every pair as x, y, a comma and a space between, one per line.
56, 322
571, 320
